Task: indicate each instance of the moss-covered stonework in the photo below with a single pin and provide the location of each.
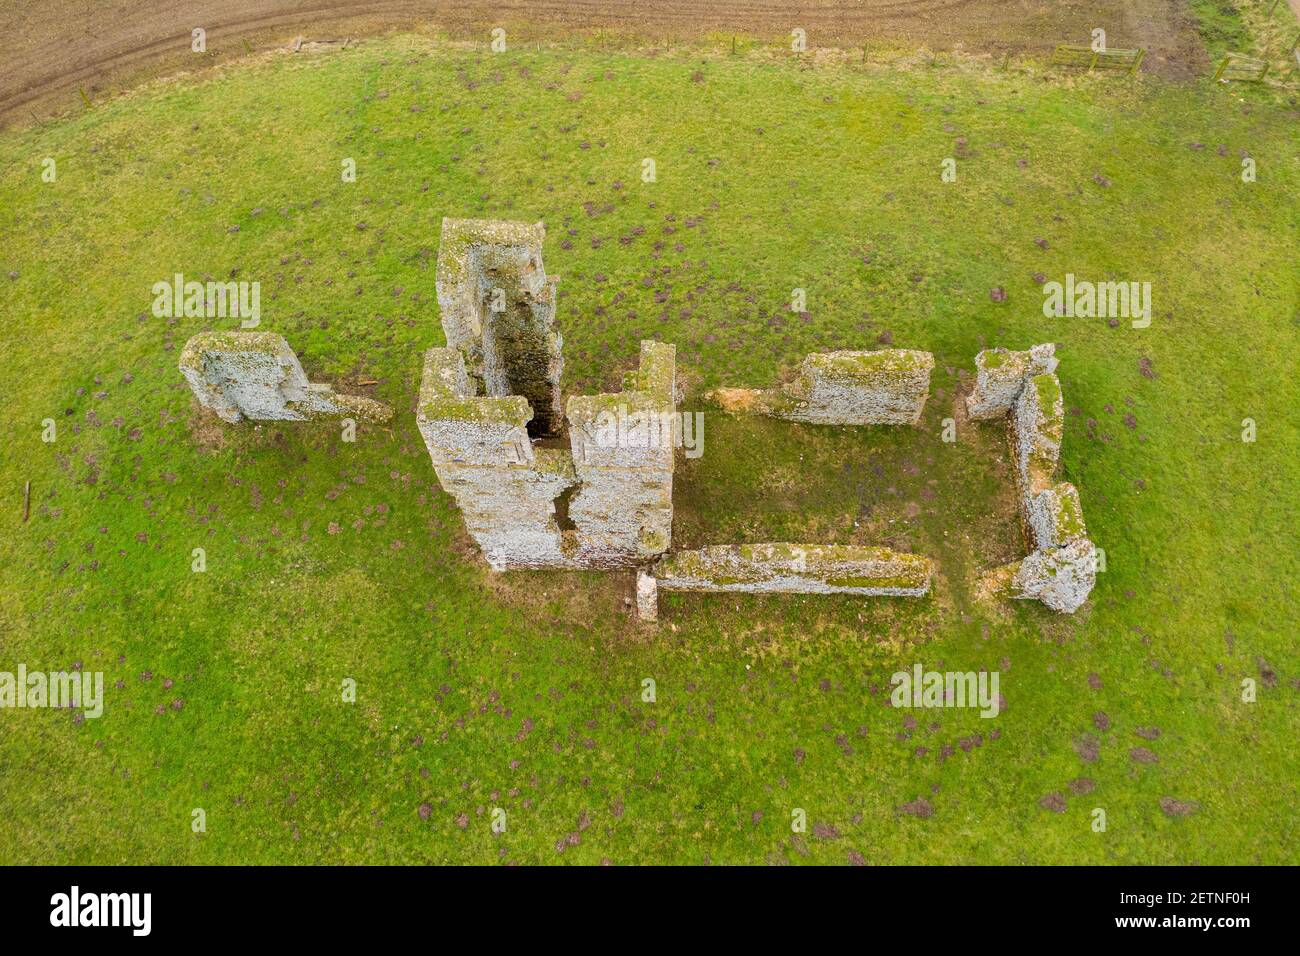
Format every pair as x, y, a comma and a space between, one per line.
1054, 516
1037, 424
1060, 570
256, 375
796, 569
483, 457
464, 428
1000, 376
881, 387
622, 460
1061, 578
623, 452
498, 308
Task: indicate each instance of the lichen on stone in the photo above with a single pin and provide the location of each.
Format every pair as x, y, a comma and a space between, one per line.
498, 309
1060, 569
256, 375
1000, 376
880, 387
796, 569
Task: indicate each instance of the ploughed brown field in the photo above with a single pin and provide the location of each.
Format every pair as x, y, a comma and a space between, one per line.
52, 49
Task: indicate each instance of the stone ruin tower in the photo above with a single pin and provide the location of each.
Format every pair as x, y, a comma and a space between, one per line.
490, 413
498, 310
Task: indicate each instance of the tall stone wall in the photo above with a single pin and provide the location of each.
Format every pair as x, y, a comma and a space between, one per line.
1060, 570
623, 453
880, 387
483, 457
618, 471
256, 375
605, 502
498, 308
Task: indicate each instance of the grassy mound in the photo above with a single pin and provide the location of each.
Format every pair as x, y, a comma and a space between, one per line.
329, 561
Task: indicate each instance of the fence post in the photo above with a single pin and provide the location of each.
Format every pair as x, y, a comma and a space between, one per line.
1142, 52
1222, 66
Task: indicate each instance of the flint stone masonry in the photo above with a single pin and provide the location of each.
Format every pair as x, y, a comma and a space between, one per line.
483, 457
498, 308
881, 387
796, 569
623, 452
1000, 376
1060, 570
256, 375
507, 488
1061, 578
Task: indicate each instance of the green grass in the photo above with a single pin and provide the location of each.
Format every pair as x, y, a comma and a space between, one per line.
1221, 27
1250, 27
523, 691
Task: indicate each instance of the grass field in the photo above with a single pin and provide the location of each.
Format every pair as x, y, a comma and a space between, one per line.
523, 691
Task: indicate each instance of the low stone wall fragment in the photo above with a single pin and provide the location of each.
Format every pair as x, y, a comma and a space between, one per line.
782, 568
256, 375
1061, 577
880, 387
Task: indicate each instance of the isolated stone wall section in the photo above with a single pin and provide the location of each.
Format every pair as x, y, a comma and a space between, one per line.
256, 375
783, 568
498, 308
874, 387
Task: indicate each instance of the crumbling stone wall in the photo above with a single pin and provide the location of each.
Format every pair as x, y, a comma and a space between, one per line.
606, 502
1060, 570
1000, 376
623, 452
256, 375
498, 307
620, 463
483, 457
787, 569
880, 387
